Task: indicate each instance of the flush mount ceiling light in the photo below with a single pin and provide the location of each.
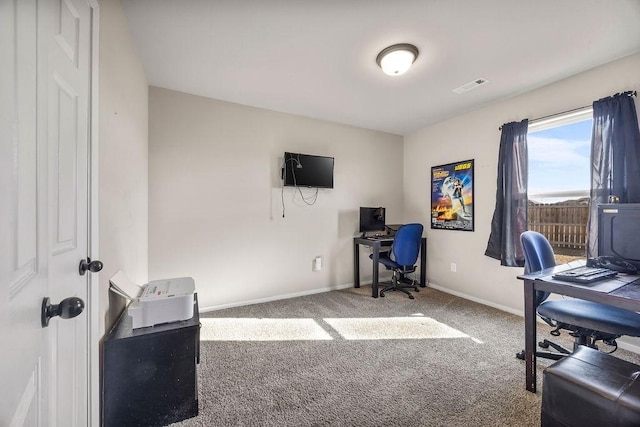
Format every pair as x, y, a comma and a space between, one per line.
397, 59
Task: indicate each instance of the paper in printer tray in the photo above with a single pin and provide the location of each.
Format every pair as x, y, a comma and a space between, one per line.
159, 301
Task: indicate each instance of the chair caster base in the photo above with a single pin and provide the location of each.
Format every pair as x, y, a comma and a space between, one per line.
381, 294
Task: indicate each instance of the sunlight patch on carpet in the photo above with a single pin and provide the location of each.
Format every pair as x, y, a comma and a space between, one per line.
247, 329
389, 328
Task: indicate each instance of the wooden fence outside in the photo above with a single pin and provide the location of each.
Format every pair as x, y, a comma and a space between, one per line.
564, 224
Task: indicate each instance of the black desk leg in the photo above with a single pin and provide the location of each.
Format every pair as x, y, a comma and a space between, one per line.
356, 265
423, 262
530, 335
375, 259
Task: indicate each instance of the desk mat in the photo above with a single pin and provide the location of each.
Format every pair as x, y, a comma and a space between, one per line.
604, 286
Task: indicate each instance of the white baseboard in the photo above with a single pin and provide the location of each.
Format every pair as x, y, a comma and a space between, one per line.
632, 347
275, 298
628, 346
478, 300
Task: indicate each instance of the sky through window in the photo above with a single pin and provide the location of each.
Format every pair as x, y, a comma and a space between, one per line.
559, 158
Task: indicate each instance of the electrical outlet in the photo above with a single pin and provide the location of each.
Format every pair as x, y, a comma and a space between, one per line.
453, 267
317, 263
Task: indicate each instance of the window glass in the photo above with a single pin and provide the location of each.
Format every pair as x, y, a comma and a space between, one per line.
559, 182
559, 161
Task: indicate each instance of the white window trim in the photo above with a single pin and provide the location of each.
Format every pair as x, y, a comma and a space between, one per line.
557, 194
561, 119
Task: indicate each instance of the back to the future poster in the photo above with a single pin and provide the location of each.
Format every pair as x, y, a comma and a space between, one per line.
452, 196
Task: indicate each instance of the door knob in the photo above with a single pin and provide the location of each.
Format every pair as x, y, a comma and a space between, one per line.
92, 266
67, 309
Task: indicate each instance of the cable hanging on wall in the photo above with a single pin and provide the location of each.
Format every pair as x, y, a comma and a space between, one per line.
309, 199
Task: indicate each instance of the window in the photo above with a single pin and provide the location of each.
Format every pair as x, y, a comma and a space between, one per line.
559, 180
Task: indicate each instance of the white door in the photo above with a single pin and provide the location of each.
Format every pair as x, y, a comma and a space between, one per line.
68, 46
23, 255
44, 106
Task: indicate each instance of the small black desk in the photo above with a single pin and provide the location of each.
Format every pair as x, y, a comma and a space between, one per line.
375, 244
149, 375
622, 291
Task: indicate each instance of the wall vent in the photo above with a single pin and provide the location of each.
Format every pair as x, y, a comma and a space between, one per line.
469, 86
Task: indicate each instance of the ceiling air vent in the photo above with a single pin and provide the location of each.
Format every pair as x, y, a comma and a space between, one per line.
469, 86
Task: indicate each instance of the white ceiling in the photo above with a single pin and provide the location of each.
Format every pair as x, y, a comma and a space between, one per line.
316, 58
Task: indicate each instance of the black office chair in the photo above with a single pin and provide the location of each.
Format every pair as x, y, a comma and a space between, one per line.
588, 322
402, 258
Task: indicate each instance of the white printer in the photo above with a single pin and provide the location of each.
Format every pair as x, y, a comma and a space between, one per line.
159, 301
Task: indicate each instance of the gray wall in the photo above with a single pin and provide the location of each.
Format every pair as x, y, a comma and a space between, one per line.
215, 198
123, 141
476, 136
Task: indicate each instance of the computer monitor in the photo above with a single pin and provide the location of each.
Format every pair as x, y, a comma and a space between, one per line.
619, 233
372, 219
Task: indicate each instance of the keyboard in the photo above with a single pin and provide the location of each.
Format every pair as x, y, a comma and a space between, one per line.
585, 274
381, 237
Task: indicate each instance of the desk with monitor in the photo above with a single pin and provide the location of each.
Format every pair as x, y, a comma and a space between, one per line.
374, 235
377, 244
618, 249
622, 291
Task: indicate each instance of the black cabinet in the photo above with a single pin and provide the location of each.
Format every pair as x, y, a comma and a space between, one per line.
149, 375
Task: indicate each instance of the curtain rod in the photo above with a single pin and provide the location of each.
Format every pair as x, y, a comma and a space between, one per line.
628, 93
559, 114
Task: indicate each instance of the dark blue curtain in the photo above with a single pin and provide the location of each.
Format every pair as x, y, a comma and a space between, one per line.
510, 214
615, 157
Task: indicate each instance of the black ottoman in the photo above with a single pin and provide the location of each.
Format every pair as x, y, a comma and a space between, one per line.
589, 388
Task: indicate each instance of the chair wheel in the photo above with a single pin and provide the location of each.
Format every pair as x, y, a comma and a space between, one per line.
411, 297
543, 344
381, 294
417, 290
520, 355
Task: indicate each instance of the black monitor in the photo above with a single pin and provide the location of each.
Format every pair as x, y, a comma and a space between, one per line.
619, 232
372, 219
305, 170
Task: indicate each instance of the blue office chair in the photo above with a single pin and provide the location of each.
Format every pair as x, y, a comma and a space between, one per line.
402, 258
588, 322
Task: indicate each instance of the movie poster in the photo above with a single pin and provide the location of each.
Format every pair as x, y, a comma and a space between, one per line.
452, 196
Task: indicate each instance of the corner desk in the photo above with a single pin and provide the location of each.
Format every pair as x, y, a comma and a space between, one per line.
622, 291
376, 243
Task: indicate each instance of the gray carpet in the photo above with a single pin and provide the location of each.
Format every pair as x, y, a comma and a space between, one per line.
311, 361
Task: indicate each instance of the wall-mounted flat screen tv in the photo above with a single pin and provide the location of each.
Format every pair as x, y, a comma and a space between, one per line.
305, 170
